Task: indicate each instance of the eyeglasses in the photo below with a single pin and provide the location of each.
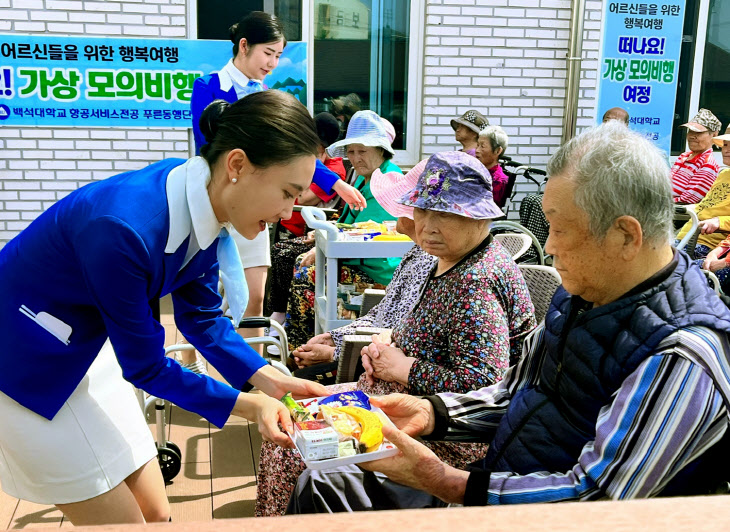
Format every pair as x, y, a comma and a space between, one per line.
696, 133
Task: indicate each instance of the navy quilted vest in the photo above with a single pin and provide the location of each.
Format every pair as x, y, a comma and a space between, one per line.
587, 358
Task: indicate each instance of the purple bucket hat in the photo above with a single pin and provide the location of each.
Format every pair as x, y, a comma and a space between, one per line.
457, 183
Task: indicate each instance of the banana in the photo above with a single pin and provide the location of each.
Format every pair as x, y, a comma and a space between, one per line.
343, 423
372, 427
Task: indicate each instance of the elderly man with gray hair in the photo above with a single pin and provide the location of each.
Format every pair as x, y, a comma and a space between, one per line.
621, 393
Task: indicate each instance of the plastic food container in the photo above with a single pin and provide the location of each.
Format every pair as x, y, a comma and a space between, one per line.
390, 225
317, 447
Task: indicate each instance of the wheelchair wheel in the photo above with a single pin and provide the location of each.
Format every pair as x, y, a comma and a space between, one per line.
174, 447
170, 462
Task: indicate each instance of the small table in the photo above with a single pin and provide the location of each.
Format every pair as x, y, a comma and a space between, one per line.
329, 250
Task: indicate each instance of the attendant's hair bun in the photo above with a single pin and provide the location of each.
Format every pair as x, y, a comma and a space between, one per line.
257, 27
211, 117
232, 33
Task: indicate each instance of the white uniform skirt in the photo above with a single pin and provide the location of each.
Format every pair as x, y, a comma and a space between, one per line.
256, 252
97, 439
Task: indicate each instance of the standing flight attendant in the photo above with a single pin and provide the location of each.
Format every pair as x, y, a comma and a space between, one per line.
258, 42
71, 431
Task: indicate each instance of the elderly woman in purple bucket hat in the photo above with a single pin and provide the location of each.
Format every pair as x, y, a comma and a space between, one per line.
467, 322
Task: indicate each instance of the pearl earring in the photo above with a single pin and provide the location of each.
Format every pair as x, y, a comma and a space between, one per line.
234, 180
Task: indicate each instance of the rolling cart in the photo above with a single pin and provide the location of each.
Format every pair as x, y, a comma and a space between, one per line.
330, 248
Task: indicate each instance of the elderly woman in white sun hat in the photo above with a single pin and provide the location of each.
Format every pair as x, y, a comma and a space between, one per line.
368, 147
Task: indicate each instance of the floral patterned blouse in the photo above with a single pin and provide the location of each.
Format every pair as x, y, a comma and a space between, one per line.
401, 295
469, 324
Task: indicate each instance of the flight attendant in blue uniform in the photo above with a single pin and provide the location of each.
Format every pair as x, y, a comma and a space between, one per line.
78, 282
258, 42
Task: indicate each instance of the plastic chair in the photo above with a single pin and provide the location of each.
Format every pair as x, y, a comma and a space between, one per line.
349, 365
370, 298
508, 226
542, 282
515, 243
713, 281
682, 214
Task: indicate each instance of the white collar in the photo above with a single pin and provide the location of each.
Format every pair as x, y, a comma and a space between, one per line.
229, 76
189, 205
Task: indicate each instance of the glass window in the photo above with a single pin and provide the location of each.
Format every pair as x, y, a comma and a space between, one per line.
360, 51
715, 80
216, 16
361, 59
715, 86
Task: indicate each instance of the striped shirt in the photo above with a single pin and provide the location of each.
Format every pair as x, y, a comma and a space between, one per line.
665, 415
691, 179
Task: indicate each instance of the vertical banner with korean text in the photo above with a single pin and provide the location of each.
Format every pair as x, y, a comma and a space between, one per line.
113, 82
640, 63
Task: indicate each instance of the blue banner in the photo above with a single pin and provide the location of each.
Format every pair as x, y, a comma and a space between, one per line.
640, 64
117, 82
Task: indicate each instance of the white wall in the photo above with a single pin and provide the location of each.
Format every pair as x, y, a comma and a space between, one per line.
39, 166
507, 59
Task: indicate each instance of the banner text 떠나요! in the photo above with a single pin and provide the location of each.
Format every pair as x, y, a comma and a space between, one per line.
639, 64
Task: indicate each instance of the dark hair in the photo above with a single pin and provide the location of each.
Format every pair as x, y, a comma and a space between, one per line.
346, 105
272, 127
257, 27
328, 129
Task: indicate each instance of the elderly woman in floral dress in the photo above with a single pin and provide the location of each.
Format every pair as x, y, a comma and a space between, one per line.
466, 326
318, 358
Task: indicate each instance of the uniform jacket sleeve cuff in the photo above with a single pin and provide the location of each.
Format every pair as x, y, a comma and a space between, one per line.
441, 417
477, 487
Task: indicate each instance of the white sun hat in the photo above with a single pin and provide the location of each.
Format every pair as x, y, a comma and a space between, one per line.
389, 129
365, 128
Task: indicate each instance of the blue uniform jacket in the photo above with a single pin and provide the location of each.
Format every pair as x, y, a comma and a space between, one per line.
95, 260
207, 89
